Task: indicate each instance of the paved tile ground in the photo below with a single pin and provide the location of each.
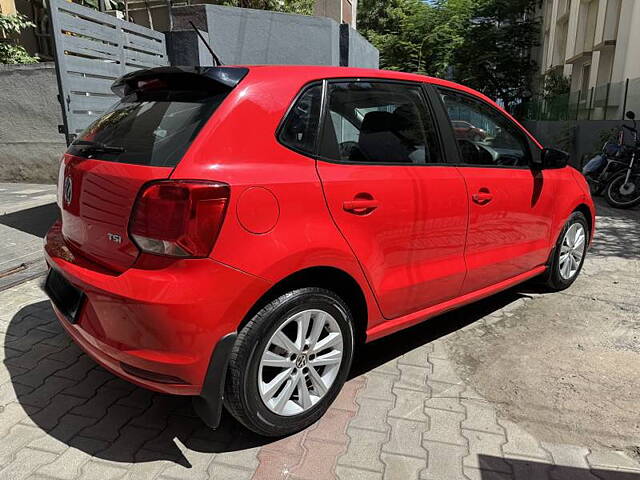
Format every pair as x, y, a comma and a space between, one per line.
404, 414
26, 212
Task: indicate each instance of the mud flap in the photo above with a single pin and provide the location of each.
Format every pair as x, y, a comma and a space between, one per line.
208, 405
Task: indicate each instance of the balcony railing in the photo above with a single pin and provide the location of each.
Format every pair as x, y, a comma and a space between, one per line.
608, 101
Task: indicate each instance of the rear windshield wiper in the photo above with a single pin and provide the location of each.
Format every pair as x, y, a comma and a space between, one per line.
97, 147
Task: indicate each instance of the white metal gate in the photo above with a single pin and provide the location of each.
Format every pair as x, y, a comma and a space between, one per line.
92, 49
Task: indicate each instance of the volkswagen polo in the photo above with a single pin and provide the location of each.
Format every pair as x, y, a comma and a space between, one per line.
234, 233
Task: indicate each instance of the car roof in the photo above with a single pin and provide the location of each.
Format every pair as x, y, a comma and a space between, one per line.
320, 72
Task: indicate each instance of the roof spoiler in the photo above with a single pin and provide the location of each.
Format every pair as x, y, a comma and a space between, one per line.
227, 76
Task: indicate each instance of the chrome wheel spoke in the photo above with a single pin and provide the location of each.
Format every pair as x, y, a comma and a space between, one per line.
331, 358
272, 387
302, 321
566, 268
331, 340
282, 341
270, 359
317, 382
577, 254
318, 325
303, 393
574, 232
286, 393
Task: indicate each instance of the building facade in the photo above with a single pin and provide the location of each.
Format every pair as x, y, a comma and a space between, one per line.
595, 44
7, 7
342, 11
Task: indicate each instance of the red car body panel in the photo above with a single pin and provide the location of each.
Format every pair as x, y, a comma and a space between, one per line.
511, 233
425, 249
411, 247
164, 318
105, 194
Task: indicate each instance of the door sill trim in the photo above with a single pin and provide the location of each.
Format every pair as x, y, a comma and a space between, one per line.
400, 323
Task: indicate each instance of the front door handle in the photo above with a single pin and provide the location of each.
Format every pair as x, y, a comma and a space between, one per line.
483, 196
360, 205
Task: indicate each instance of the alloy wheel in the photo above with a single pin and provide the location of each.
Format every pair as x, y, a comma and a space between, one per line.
572, 250
300, 362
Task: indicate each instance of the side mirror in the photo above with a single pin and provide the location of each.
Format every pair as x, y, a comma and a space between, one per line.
551, 158
630, 115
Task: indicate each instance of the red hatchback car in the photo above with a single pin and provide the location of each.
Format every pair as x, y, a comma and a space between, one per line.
233, 233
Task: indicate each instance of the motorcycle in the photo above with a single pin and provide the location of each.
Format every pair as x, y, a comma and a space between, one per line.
616, 171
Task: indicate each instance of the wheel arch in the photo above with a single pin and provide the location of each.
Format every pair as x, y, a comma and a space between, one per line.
581, 207
586, 211
331, 278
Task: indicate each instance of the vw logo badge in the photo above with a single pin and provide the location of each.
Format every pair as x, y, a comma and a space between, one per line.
67, 190
301, 361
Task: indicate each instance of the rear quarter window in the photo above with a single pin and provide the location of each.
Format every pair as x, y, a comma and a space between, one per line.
299, 131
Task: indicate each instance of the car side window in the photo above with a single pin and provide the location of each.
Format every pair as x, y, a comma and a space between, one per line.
300, 129
378, 122
485, 136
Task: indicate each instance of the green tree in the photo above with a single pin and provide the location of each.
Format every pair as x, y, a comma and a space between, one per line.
10, 28
303, 7
494, 56
555, 84
451, 20
485, 44
397, 28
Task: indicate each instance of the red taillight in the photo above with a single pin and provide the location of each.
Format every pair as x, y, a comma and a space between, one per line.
179, 218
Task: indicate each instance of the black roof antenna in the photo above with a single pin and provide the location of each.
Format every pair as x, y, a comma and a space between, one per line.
213, 54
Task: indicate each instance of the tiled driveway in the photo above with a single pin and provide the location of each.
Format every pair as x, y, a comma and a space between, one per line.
405, 413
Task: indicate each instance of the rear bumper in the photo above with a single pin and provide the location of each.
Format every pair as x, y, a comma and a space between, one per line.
155, 326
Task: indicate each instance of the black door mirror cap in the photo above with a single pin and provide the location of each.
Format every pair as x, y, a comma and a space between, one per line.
551, 158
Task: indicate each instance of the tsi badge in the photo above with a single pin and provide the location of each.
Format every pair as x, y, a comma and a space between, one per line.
114, 237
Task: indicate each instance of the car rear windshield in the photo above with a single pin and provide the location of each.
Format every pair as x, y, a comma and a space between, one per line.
149, 128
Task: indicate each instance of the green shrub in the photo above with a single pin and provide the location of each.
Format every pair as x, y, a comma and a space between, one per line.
10, 51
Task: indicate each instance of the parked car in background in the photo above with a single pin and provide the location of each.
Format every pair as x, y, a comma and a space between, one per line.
234, 233
466, 130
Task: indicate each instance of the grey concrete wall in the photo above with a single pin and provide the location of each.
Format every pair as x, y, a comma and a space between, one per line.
185, 47
246, 36
30, 145
581, 138
361, 53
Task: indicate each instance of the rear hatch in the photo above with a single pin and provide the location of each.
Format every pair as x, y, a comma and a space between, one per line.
140, 139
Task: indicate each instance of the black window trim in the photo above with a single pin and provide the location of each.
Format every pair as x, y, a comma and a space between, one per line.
531, 147
283, 121
427, 101
451, 150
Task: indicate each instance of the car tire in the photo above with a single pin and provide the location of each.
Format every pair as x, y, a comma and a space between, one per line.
250, 392
558, 276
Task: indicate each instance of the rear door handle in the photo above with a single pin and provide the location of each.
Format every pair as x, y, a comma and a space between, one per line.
483, 196
360, 206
